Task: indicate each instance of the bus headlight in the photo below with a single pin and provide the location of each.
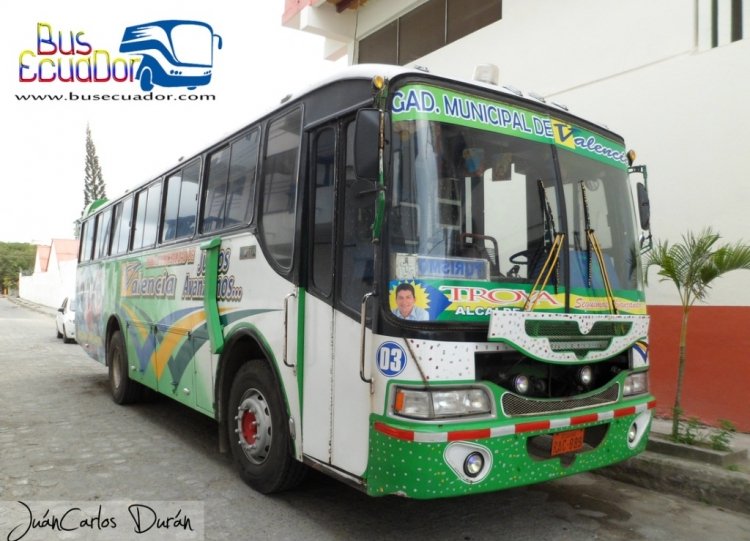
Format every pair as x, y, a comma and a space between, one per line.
635, 384
441, 403
473, 464
585, 375
521, 384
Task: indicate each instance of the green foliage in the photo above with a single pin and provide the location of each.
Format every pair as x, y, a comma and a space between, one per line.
15, 257
689, 432
695, 263
722, 436
693, 432
692, 266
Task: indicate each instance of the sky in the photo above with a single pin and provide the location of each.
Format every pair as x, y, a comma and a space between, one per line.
43, 143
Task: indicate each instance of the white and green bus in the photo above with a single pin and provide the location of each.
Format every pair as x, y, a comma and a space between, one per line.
418, 285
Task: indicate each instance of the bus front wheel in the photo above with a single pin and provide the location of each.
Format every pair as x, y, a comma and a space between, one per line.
124, 390
259, 432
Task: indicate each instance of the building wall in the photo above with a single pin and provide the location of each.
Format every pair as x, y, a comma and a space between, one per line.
646, 70
49, 287
642, 69
717, 369
684, 109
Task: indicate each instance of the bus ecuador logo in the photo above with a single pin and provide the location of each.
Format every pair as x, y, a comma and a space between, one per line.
168, 53
391, 359
173, 53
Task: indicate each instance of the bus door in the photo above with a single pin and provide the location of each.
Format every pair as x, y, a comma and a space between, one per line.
336, 402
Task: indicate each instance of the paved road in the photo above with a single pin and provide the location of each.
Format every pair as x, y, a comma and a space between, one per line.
62, 439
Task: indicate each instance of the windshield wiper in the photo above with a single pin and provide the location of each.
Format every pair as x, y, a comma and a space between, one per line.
592, 245
554, 240
550, 263
550, 232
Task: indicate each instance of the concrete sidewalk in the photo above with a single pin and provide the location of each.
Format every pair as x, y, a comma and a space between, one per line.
682, 470
47, 310
689, 471
664, 467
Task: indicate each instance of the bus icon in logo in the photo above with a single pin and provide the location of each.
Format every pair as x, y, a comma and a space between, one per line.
173, 53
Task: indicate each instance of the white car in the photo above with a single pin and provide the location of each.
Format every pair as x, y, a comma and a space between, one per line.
66, 321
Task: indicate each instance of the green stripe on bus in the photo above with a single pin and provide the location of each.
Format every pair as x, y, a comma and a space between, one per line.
210, 302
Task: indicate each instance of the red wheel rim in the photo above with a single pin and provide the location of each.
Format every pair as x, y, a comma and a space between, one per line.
249, 427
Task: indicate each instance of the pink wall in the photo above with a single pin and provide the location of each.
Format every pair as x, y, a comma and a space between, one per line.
717, 371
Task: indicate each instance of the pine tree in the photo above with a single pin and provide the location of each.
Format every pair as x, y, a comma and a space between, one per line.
93, 182
93, 187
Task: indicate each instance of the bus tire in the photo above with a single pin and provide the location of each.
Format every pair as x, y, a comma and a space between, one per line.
259, 431
123, 389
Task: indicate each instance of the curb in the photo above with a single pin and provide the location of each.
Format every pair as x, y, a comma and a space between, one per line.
46, 310
701, 482
664, 445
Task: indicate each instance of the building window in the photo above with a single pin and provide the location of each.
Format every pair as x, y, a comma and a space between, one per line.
426, 28
380, 47
421, 31
721, 22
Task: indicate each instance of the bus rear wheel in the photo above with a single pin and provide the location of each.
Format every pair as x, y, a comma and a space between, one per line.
259, 432
123, 389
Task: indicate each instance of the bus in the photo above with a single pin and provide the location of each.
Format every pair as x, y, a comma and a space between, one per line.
419, 285
173, 52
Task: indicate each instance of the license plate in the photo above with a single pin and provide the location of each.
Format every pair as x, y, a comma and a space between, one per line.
567, 442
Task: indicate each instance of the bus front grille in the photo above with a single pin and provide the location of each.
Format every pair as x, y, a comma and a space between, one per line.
515, 405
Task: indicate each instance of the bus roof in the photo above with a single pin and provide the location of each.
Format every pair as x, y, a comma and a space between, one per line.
368, 71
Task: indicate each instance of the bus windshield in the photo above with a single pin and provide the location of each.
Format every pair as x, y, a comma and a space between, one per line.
474, 216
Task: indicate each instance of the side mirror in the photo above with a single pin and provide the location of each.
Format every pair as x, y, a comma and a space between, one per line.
366, 140
644, 206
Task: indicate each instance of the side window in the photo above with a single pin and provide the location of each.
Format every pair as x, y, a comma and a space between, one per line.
188, 200
323, 173
146, 216
181, 203
216, 190
121, 229
230, 186
242, 165
355, 235
278, 208
103, 230
87, 234
152, 215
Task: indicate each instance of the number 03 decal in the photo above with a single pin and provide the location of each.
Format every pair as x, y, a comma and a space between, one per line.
391, 359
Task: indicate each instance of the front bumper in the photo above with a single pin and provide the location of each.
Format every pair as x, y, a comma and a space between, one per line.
424, 461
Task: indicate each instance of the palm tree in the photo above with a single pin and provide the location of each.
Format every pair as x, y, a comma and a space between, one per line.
692, 266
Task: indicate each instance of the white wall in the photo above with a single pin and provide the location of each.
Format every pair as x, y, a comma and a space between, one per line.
687, 118
51, 287
548, 46
646, 70
636, 67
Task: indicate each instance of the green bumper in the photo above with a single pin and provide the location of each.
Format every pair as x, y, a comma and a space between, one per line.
422, 461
